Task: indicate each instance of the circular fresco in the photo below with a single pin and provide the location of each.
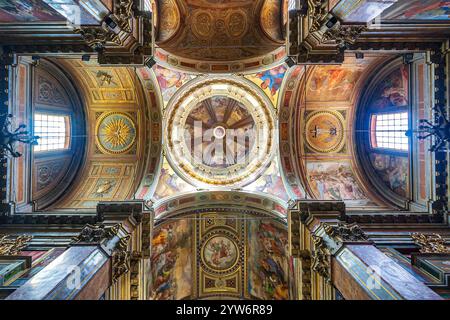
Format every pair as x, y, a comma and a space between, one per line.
220, 132
220, 253
115, 132
325, 131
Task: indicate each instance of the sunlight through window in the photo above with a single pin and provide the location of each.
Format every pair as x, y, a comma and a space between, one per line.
52, 131
388, 131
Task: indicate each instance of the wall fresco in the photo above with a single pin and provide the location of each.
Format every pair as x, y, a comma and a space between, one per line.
268, 267
171, 261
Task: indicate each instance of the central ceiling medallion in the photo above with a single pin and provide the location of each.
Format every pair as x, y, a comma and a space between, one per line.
220, 132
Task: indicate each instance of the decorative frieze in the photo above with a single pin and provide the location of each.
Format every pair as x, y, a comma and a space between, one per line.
343, 35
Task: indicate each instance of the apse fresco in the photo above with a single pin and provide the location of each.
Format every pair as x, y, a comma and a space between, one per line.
392, 92
268, 266
270, 81
170, 81
419, 10
333, 83
333, 181
171, 263
270, 183
170, 183
393, 170
27, 11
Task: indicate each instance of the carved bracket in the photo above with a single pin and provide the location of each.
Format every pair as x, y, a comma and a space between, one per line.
121, 258
96, 234
124, 37
318, 36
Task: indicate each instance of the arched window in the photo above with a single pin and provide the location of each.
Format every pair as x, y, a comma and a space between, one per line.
383, 119
53, 132
388, 131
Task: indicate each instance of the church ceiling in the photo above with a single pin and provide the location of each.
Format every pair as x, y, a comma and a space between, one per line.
200, 119
218, 36
171, 81
310, 109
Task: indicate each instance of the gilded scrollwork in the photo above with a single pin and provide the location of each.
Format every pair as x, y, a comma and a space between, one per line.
320, 258
96, 233
121, 258
124, 13
345, 232
97, 37
12, 246
430, 243
343, 34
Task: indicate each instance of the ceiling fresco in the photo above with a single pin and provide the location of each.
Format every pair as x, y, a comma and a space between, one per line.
219, 36
219, 254
323, 102
270, 81
217, 111
219, 116
170, 81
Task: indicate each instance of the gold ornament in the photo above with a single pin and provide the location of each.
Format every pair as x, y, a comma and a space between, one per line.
11, 247
431, 243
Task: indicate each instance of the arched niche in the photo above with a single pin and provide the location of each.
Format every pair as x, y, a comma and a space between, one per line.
54, 93
220, 244
386, 169
115, 169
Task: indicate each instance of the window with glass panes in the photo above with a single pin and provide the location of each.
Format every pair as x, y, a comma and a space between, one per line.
389, 131
52, 132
